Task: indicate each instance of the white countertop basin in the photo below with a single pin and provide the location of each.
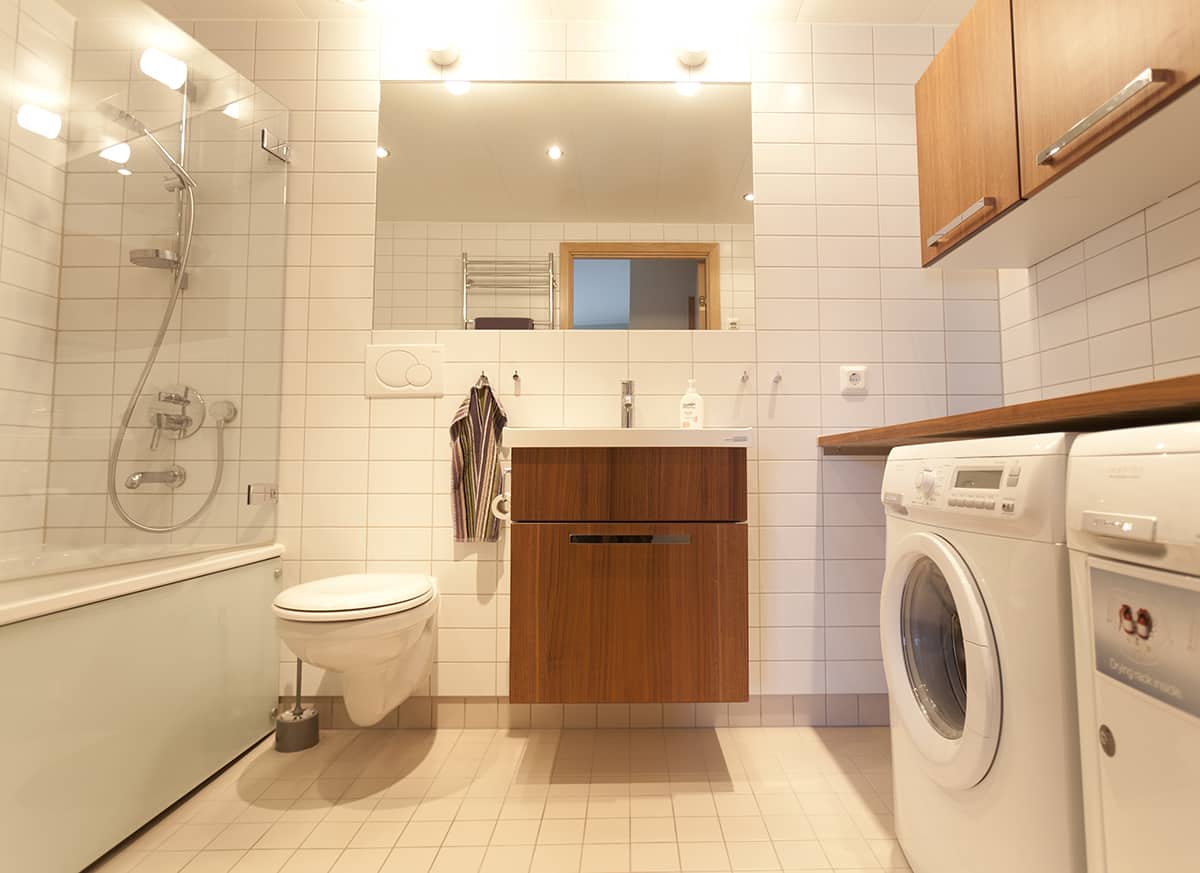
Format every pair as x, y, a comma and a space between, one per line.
634, 437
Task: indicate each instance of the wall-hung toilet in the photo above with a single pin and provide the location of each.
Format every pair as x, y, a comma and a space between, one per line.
374, 629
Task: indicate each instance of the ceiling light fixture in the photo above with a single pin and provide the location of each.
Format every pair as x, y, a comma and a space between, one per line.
458, 87
381, 152
118, 153
748, 196
172, 72
124, 171
688, 88
554, 153
41, 121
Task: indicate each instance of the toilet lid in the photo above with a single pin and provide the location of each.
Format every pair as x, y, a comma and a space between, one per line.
358, 592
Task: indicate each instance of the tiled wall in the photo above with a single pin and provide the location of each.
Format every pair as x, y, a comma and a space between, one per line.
837, 282
1119, 307
35, 58
226, 337
418, 266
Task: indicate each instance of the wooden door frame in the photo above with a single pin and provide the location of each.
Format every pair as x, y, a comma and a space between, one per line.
709, 253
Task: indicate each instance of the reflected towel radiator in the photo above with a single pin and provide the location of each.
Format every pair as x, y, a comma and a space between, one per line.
509, 274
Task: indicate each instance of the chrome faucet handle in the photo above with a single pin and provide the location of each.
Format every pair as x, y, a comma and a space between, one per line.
174, 397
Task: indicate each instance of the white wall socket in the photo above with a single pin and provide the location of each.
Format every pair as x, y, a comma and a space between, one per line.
854, 379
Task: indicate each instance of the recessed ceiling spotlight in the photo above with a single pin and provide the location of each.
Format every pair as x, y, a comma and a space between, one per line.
381, 152
117, 153
457, 86
748, 196
124, 171
554, 153
687, 88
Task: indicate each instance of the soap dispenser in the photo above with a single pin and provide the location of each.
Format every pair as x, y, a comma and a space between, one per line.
691, 408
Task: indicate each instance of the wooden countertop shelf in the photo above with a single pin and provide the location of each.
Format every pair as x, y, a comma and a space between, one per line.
1161, 402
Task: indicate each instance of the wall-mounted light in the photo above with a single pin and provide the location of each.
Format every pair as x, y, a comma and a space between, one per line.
554, 153
748, 196
41, 121
687, 88
118, 154
693, 55
443, 52
124, 171
458, 87
172, 72
381, 152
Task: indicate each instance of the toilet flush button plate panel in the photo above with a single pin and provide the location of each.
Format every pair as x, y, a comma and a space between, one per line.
404, 370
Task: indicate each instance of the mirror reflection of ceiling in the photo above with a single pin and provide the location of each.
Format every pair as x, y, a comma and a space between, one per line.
631, 152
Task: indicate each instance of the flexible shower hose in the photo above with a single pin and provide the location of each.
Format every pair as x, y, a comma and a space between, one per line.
135, 395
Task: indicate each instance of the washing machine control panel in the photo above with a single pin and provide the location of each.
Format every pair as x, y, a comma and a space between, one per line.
987, 487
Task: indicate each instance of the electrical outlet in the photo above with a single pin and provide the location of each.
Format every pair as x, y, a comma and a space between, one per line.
854, 379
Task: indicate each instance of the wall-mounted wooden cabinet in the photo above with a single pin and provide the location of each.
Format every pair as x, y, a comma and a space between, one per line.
967, 130
1038, 124
630, 575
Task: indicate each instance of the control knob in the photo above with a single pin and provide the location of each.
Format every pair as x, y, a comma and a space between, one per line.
926, 482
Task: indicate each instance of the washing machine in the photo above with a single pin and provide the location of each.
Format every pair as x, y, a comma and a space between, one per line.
975, 620
1133, 526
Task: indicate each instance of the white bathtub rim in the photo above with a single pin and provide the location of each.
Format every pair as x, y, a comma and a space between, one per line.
34, 597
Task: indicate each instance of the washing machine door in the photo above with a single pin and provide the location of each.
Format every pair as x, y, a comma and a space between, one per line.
940, 660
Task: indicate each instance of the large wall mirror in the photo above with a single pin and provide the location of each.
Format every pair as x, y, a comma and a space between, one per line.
588, 206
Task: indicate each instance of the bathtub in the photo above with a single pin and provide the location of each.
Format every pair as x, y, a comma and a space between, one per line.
124, 687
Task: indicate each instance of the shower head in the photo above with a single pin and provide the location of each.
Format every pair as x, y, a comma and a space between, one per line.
158, 259
133, 125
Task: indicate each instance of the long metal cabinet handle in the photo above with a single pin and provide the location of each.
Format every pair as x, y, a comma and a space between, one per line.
962, 218
1142, 80
652, 539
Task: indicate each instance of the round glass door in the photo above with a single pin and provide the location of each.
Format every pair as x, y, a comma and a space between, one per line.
934, 654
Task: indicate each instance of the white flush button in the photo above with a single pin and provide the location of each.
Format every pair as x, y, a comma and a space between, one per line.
419, 375
403, 370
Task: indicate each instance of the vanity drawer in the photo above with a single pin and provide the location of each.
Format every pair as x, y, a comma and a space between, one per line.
629, 484
629, 613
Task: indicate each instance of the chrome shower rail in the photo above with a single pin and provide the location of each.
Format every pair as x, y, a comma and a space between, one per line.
508, 274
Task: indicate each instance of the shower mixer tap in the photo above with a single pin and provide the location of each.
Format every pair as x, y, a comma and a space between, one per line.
180, 425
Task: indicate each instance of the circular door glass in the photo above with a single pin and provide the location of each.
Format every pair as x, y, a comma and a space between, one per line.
933, 648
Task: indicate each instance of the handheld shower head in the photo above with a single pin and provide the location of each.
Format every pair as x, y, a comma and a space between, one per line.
133, 125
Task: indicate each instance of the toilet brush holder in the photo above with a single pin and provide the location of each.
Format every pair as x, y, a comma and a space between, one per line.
297, 728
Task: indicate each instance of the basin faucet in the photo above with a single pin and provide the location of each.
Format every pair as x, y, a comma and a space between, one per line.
627, 403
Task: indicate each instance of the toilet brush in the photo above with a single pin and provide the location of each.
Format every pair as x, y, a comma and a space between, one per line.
297, 728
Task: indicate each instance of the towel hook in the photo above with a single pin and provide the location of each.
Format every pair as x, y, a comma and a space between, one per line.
745, 375
778, 377
482, 381
516, 376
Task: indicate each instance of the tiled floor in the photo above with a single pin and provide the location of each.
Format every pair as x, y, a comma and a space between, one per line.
576, 801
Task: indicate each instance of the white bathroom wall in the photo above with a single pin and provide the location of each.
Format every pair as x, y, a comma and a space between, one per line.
1120, 307
837, 282
225, 339
35, 66
418, 267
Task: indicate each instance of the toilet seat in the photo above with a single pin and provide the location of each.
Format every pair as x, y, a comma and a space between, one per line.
354, 597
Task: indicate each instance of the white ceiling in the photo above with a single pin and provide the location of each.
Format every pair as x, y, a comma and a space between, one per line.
848, 11
636, 152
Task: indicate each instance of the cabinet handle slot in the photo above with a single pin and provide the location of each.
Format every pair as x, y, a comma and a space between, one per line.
618, 539
1144, 79
962, 218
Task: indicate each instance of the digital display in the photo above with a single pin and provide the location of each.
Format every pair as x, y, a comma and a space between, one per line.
978, 479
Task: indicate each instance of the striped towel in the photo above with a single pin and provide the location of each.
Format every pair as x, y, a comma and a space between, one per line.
475, 451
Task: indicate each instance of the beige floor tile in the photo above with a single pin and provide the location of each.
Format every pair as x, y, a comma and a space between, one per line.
779, 804
423, 833
331, 835
480, 809
238, 836
285, 835
700, 829
605, 858
693, 804
653, 857
262, 861
458, 859
802, 855
561, 831
789, 827
191, 837
213, 862
360, 861
833, 826
518, 832
888, 852
744, 829
654, 830
736, 805
469, 833
703, 856
752, 856
311, 861
608, 807
409, 860
507, 859
165, 861
606, 830
850, 852
377, 835
650, 806
556, 859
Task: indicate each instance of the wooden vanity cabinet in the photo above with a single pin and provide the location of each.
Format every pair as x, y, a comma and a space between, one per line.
638, 591
1074, 55
967, 131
